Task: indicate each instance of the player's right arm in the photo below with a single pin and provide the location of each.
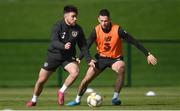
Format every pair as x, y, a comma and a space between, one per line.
55, 37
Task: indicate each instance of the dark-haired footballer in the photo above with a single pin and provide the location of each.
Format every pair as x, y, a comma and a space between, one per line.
107, 37
62, 52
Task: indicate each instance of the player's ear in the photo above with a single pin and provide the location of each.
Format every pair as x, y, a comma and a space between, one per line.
99, 20
65, 15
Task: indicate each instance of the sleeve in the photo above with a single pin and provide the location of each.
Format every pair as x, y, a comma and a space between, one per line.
90, 41
55, 37
83, 46
124, 35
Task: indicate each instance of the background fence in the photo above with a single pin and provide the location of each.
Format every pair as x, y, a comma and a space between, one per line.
21, 60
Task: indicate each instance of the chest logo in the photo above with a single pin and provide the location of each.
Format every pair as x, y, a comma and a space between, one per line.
107, 38
74, 33
63, 35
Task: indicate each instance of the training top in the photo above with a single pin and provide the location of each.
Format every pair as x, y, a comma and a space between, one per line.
108, 44
105, 41
63, 33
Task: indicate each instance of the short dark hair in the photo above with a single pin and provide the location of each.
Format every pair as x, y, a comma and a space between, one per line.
104, 12
70, 8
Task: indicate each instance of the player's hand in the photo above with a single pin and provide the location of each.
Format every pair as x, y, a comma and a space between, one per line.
78, 60
151, 59
67, 45
92, 63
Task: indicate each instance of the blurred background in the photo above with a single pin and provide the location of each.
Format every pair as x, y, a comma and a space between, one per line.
25, 32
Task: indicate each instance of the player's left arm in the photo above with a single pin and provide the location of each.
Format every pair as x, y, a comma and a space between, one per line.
89, 42
84, 49
81, 41
151, 59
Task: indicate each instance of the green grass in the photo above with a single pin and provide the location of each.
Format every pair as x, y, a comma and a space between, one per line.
167, 98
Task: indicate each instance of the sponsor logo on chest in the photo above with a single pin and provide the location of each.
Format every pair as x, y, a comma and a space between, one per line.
63, 35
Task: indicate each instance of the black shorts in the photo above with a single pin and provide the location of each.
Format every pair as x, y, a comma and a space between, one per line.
104, 62
51, 63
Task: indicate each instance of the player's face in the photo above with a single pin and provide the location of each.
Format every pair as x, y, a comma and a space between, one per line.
70, 18
104, 21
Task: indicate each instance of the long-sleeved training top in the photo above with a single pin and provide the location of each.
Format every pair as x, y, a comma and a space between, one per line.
63, 33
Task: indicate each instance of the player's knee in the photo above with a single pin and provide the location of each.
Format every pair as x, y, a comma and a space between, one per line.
120, 69
41, 81
74, 73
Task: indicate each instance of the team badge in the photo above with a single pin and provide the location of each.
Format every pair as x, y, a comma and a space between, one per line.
74, 33
45, 64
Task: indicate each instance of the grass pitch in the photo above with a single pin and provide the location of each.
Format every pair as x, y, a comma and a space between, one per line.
167, 98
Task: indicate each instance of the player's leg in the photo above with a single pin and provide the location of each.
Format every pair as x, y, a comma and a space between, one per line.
43, 77
119, 68
47, 69
90, 75
73, 69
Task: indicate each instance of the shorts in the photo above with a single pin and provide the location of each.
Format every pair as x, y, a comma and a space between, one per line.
104, 62
51, 63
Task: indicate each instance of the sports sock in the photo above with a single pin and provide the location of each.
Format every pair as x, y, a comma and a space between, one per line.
63, 88
34, 98
115, 95
78, 98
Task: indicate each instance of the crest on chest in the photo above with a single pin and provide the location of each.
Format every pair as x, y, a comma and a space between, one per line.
74, 33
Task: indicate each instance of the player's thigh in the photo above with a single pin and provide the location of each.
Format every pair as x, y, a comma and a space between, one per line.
118, 66
72, 67
44, 74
